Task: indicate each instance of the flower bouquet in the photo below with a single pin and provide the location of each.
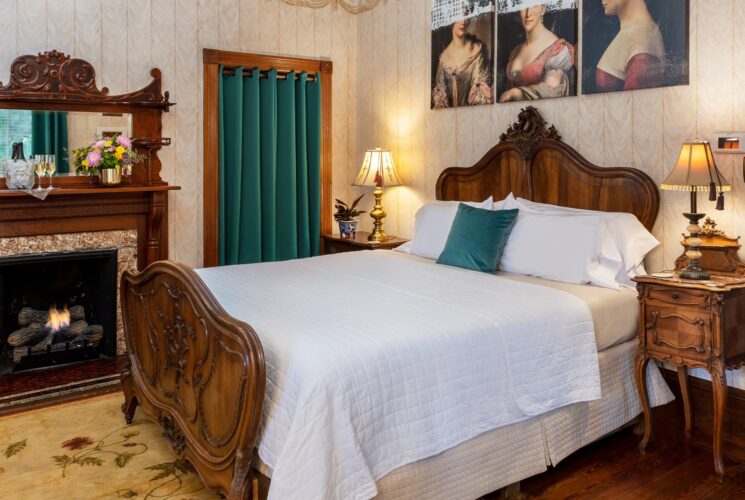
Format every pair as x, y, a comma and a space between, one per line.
106, 159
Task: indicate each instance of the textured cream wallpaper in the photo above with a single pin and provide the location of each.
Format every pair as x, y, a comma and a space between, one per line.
643, 129
123, 39
381, 93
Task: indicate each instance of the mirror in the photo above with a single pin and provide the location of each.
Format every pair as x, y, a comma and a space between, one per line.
56, 132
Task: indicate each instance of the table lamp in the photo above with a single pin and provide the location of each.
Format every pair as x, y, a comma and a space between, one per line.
377, 170
696, 171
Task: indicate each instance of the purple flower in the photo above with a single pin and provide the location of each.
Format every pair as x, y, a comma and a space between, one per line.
94, 158
100, 144
123, 140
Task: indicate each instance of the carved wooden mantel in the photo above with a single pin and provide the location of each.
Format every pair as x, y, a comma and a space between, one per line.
57, 82
54, 81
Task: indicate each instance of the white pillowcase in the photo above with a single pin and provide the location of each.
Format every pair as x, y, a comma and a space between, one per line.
575, 250
432, 225
630, 237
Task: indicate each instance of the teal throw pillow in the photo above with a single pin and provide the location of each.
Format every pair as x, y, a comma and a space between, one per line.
477, 238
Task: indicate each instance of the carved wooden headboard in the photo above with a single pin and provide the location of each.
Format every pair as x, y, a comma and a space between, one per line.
532, 162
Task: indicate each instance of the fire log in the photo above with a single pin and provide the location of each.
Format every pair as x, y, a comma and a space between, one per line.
93, 334
72, 331
27, 316
42, 346
26, 335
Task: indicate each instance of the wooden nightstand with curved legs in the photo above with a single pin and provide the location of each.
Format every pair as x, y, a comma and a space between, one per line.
691, 324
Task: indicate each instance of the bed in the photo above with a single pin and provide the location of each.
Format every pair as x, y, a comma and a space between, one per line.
275, 380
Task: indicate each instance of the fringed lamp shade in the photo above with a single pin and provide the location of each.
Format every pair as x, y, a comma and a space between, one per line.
696, 170
377, 169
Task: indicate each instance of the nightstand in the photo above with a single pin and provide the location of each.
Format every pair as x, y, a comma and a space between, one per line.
333, 243
691, 324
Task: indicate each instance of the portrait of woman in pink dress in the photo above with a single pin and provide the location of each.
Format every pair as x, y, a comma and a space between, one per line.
537, 55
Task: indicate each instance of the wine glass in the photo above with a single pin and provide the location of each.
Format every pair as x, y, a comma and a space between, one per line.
40, 169
51, 168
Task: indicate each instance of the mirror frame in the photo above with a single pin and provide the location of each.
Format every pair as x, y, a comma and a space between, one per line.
54, 81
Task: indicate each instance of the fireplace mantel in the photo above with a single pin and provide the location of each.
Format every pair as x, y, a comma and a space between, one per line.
90, 191
77, 214
142, 208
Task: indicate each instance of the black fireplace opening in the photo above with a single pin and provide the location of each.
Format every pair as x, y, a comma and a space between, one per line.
57, 309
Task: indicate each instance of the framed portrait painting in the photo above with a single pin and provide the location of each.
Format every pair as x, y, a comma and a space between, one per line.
536, 49
634, 44
462, 53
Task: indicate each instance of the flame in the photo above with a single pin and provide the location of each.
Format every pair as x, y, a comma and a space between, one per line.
58, 319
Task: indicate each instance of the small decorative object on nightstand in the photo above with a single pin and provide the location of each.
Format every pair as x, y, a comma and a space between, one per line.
696, 171
346, 217
377, 170
691, 324
719, 252
335, 243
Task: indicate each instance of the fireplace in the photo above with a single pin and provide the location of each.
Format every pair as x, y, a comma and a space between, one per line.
57, 309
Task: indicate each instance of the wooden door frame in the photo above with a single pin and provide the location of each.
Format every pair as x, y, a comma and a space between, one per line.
212, 60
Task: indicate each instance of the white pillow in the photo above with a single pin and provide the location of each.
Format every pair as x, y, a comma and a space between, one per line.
630, 236
569, 249
432, 225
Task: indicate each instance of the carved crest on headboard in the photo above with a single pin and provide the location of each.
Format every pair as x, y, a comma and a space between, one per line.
57, 76
529, 127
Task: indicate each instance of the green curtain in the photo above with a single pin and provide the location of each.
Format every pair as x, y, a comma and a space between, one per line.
270, 167
49, 136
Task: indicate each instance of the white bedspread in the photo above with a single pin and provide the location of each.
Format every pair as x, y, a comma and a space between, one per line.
374, 362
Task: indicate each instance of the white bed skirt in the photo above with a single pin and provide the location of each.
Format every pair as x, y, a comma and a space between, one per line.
515, 452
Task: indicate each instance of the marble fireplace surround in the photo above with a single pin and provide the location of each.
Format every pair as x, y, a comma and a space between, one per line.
124, 241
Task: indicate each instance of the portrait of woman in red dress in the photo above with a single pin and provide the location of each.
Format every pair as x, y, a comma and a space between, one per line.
634, 44
536, 44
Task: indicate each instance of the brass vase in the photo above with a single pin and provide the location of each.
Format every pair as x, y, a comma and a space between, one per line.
110, 177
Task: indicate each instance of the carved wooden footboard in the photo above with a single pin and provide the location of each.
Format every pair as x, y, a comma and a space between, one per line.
196, 371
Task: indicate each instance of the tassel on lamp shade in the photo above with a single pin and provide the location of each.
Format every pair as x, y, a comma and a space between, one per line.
696, 171
377, 170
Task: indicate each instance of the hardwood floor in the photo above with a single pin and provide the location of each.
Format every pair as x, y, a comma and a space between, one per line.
613, 468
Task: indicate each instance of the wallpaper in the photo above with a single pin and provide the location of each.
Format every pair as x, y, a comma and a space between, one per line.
123, 39
643, 129
381, 94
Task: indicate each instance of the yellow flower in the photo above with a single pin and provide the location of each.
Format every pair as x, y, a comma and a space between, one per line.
119, 149
118, 155
109, 143
85, 163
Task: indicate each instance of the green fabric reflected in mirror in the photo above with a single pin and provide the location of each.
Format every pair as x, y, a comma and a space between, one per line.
49, 137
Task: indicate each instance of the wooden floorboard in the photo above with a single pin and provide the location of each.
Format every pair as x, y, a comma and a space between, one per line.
613, 468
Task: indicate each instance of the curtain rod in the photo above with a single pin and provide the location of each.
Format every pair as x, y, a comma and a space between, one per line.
281, 75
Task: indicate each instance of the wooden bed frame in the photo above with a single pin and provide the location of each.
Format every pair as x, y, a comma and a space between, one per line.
200, 373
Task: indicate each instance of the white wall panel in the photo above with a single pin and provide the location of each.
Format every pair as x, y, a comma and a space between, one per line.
229, 16
8, 37
249, 25
32, 26
61, 30
114, 45
139, 43
88, 33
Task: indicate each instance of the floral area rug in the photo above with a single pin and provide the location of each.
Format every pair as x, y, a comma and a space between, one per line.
85, 450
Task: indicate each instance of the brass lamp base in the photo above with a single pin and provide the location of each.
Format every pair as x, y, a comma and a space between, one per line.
378, 214
694, 270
